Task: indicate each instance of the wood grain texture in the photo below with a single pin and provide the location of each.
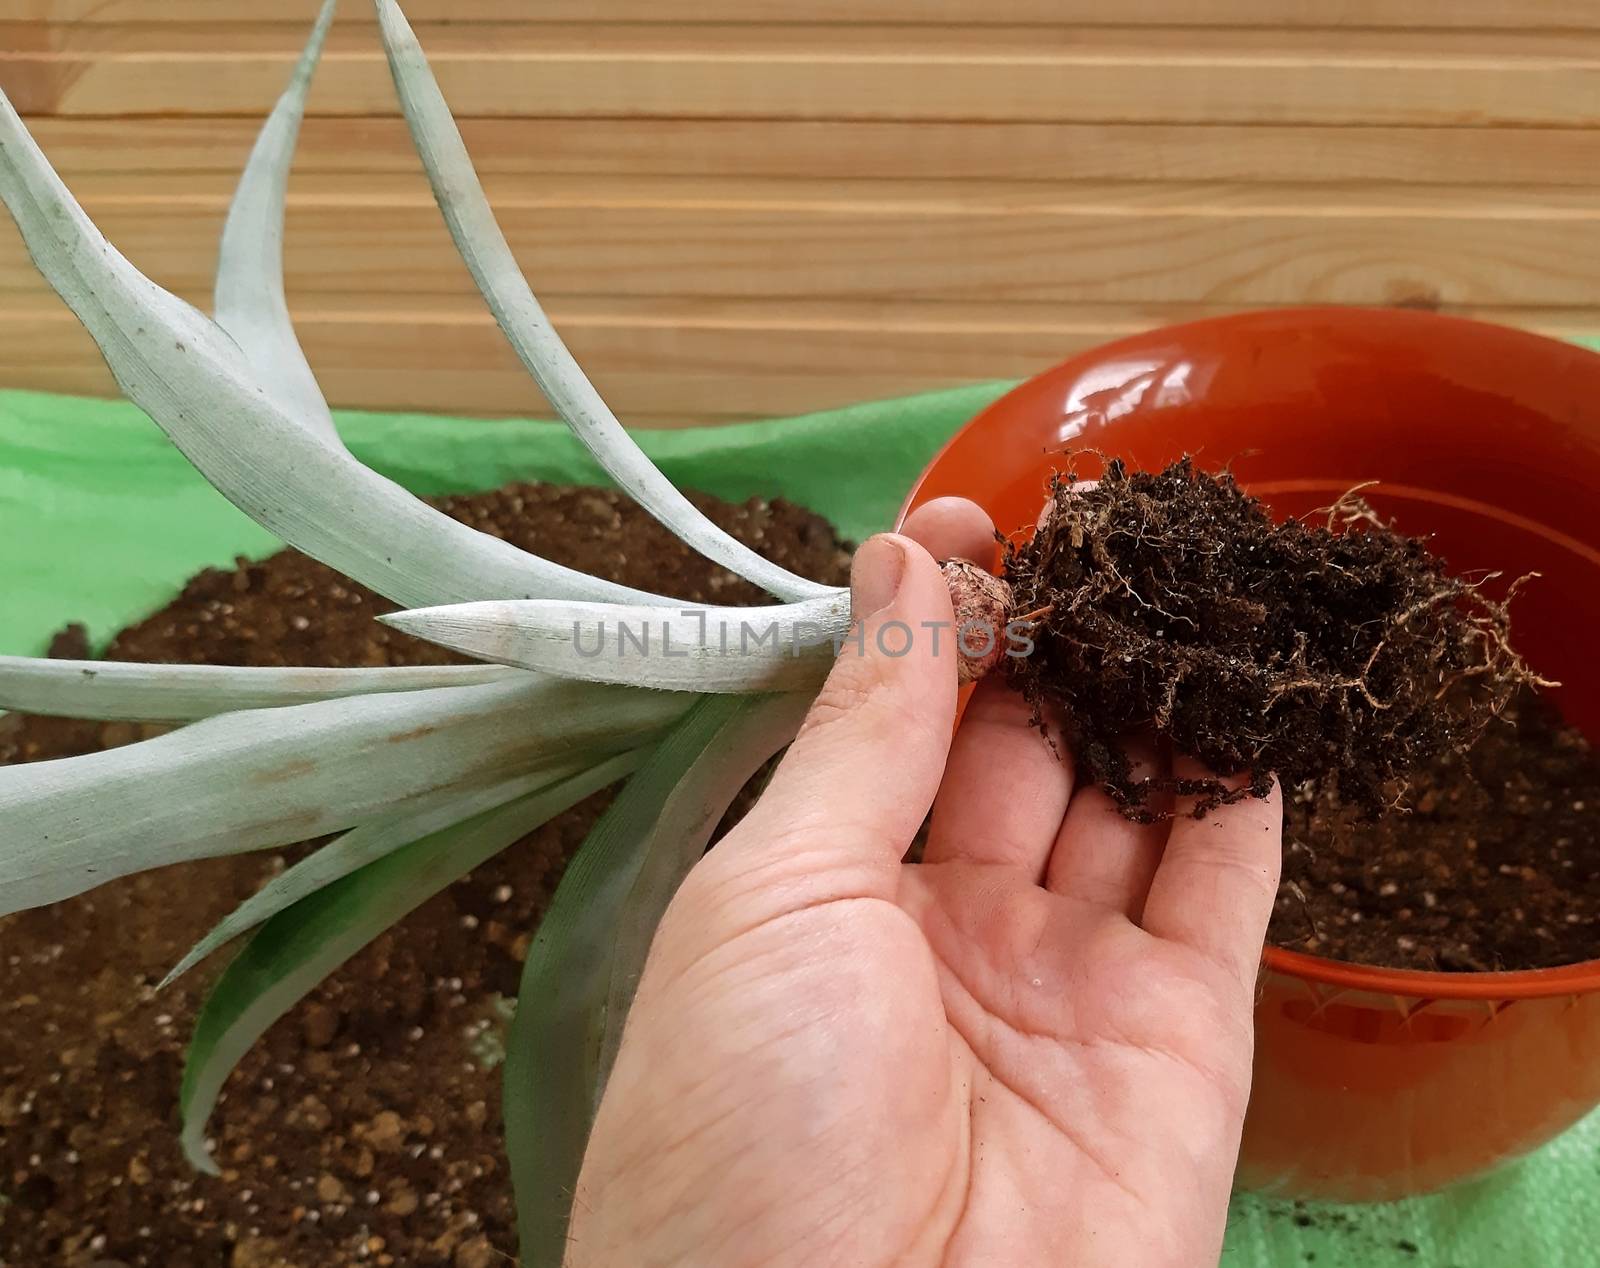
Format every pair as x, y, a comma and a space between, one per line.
753, 239
781, 205
353, 148
851, 72
669, 364
1403, 14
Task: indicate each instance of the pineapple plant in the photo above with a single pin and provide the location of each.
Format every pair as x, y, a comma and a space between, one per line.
418, 775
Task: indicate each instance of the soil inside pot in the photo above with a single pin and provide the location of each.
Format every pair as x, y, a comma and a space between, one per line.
1493, 864
365, 1127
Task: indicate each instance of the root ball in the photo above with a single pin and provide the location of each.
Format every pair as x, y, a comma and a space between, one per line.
1172, 603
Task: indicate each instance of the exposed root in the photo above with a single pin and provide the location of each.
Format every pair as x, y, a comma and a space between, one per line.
1172, 602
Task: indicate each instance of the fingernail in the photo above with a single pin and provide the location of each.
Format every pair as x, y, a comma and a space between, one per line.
875, 574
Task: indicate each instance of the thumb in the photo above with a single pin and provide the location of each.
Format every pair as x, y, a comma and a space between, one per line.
859, 778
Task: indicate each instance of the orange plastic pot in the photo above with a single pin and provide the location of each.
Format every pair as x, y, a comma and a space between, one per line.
1370, 1084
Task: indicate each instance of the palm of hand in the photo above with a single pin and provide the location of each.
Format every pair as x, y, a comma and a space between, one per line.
1109, 1072
1031, 1049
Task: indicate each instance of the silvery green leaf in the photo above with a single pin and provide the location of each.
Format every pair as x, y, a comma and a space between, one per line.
128, 692
483, 246
740, 738
246, 781
588, 952
301, 945
786, 647
183, 370
362, 845
248, 300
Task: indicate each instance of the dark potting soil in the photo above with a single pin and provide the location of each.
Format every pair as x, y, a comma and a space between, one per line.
365, 1127
1494, 864
1172, 601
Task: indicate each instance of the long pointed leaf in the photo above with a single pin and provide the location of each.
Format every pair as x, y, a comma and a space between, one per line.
786, 647
356, 848
483, 246
589, 949
246, 781
183, 370
248, 299
129, 692
749, 734
299, 947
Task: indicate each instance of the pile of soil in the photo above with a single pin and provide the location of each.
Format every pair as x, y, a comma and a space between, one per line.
365, 1127
1170, 601
1494, 863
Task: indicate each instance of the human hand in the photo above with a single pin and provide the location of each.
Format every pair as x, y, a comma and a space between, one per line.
1031, 1049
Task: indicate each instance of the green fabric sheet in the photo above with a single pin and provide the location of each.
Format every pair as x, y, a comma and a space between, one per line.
101, 520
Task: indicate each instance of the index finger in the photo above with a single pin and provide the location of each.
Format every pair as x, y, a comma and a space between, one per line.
953, 528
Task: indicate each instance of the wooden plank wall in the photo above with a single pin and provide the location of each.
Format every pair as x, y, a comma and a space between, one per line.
740, 208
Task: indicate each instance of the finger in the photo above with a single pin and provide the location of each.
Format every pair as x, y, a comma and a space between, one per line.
1005, 788
1100, 855
953, 528
1218, 878
859, 778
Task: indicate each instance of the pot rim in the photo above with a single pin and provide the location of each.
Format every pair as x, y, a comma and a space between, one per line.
1567, 979
1423, 984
